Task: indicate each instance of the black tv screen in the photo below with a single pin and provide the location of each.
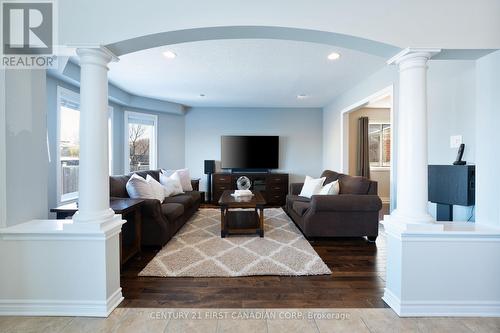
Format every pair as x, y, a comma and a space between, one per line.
250, 152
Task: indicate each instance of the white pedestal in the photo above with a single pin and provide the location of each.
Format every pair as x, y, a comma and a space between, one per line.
448, 271
49, 269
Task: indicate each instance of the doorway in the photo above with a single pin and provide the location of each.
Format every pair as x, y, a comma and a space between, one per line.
378, 109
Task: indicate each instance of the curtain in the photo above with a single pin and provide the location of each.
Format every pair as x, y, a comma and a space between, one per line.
363, 161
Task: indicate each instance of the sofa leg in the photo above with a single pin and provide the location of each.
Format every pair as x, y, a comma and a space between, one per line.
372, 239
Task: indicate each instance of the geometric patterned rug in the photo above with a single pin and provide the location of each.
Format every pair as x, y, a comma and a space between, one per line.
197, 250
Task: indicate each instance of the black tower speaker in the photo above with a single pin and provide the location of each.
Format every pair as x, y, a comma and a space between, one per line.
209, 170
209, 166
451, 185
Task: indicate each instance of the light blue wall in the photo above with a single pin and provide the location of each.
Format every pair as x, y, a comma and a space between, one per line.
451, 106
488, 140
300, 132
26, 145
385, 77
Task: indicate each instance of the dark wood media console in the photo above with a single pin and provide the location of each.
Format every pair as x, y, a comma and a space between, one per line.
272, 186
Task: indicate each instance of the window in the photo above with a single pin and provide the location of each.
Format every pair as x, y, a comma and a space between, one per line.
68, 144
140, 138
379, 138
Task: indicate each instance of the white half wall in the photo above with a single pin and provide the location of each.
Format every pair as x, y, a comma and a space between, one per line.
299, 131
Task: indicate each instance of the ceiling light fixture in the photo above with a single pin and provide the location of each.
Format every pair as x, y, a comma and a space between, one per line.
301, 96
333, 56
202, 95
169, 54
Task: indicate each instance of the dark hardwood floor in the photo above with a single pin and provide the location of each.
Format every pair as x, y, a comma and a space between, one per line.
357, 281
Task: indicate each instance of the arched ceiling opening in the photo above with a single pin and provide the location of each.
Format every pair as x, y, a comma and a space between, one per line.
252, 32
245, 66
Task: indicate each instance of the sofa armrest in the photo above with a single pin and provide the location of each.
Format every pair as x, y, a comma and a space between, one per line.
346, 202
151, 209
195, 183
295, 188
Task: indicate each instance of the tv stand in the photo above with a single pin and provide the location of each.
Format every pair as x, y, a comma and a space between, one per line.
272, 186
244, 171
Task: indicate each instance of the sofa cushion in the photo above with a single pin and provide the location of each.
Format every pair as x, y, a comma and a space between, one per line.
172, 210
300, 207
293, 198
330, 176
184, 199
118, 186
354, 185
195, 195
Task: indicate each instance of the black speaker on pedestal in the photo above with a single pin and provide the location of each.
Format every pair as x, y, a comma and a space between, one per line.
209, 170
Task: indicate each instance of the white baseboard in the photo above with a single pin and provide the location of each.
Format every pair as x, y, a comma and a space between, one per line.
441, 309
84, 308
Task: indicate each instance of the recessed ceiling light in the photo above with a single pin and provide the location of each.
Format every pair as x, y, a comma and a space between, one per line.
202, 95
169, 54
301, 96
333, 56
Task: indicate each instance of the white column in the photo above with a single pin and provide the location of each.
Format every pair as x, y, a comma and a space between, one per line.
412, 136
93, 185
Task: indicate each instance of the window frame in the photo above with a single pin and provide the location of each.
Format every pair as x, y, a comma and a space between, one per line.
380, 166
74, 97
153, 160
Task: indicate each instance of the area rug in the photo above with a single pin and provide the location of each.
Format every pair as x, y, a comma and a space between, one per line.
197, 250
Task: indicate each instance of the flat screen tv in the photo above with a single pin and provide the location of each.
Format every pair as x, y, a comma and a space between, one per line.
250, 152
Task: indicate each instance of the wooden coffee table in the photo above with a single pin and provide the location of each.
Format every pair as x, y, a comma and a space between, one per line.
241, 221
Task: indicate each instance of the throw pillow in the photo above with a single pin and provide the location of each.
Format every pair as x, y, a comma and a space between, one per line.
332, 188
171, 185
185, 178
138, 188
311, 186
157, 188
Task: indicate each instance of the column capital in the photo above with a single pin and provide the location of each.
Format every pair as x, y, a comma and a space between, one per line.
100, 56
413, 54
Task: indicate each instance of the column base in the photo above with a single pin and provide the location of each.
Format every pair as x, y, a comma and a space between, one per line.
93, 217
406, 223
451, 272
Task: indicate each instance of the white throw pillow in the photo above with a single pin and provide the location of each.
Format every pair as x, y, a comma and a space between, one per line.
168, 173
138, 188
184, 176
332, 188
185, 179
311, 186
171, 185
158, 190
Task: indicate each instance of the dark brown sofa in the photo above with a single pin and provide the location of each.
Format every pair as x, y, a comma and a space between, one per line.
160, 221
352, 213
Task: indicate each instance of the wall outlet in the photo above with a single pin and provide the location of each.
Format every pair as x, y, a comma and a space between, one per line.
455, 141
